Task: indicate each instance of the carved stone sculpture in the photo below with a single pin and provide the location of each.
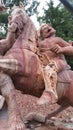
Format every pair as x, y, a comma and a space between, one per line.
21, 66
47, 49
5, 45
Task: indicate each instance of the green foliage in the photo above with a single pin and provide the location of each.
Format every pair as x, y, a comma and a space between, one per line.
4, 17
30, 10
3, 24
9, 3
33, 8
70, 61
60, 18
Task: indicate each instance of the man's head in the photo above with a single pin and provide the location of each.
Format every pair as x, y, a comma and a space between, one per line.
47, 31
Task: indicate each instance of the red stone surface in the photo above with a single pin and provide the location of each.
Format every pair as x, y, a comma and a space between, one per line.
27, 104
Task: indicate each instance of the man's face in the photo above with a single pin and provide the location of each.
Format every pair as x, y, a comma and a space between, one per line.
47, 31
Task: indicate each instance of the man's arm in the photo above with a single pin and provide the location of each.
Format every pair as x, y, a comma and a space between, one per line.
67, 50
62, 43
62, 47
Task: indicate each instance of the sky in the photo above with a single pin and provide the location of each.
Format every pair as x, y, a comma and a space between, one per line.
40, 9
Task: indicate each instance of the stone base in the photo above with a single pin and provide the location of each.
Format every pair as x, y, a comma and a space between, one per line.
4, 118
28, 104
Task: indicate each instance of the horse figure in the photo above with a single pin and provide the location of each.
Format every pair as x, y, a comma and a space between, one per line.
21, 68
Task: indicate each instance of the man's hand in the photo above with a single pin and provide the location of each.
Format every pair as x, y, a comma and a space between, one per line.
56, 49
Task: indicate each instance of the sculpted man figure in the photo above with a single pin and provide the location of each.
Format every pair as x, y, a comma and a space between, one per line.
56, 63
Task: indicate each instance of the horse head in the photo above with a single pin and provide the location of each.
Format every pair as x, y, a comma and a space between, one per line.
20, 22
17, 19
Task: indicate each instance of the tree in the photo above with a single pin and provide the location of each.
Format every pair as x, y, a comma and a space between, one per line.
29, 7
30, 10
60, 18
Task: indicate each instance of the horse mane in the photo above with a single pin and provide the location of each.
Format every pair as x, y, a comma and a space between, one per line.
29, 31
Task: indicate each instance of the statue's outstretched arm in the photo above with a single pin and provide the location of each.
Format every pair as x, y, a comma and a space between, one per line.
62, 43
68, 50
62, 47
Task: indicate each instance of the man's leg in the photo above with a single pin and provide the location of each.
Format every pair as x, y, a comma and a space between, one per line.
49, 95
8, 91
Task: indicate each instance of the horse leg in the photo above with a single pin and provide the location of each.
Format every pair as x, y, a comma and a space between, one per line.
44, 119
10, 66
49, 95
55, 112
7, 66
8, 91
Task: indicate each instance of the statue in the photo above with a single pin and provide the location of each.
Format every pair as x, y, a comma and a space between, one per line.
22, 68
57, 62
15, 69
